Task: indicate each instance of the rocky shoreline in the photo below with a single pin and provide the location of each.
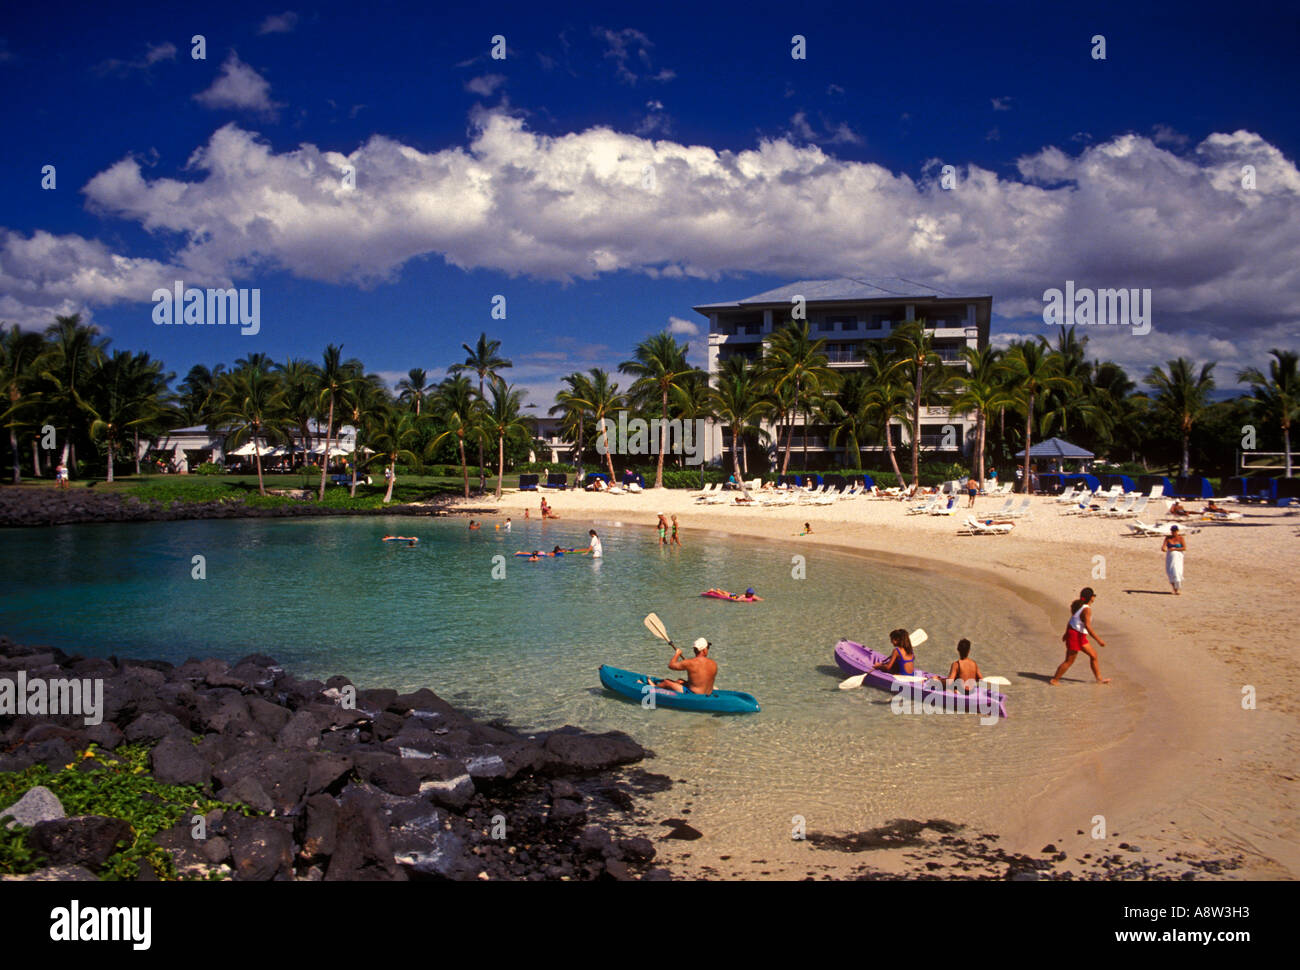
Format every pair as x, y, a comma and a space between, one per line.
334, 783
41, 506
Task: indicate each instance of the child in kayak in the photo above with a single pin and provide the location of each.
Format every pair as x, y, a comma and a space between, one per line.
1076, 637
964, 674
902, 660
701, 672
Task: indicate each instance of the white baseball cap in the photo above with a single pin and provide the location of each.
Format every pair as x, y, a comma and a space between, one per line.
701, 643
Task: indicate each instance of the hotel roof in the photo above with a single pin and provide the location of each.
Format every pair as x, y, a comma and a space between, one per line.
841, 289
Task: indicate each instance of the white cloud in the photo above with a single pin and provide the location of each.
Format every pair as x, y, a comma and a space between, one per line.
676, 325
1165, 135
485, 85
629, 49
282, 23
239, 88
42, 275
153, 54
1125, 212
1001, 104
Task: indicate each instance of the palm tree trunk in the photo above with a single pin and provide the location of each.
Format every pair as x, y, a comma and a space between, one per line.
109, 479
501, 462
663, 434
735, 461
916, 431
1187, 440
482, 481
1286, 447
806, 423
1029, 431
464, 467
257, 454
893, 459
609, 455
392, 478
979, 443
325, 458
136, 437
13, 446
36, 458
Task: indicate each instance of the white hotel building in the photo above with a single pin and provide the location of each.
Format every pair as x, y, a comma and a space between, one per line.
848, 314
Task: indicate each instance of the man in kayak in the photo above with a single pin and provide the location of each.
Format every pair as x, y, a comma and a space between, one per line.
701, 672
964, 674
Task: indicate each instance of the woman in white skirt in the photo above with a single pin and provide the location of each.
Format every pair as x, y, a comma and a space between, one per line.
1174, 547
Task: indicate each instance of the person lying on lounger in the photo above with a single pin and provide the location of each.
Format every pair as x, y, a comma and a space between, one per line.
701, 672
1178, 509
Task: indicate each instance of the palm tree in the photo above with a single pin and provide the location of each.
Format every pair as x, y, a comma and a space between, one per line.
1089, 408
331, 378
414, 388
887, 399
484, 361
738, 402
360, 396
19, 352
983, 391
301, 383
1033, 369
1183, 395
198, 393
572, 402
1276, 397
396, 431
849, 418
914, 352
601, 399
659, 365
689, 402
252, 406
256, 361
128, 392
457, 411
503, 419
72, 354
793, 360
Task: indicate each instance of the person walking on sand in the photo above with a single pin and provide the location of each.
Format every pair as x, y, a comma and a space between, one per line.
1174, 546
972, 487
1076, 637
675, 541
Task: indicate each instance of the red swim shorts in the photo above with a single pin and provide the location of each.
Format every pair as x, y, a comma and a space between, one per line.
1074, 640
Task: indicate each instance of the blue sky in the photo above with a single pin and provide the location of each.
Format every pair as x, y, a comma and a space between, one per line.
526, 177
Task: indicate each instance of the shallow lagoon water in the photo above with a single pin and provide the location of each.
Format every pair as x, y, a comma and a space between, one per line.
325, 596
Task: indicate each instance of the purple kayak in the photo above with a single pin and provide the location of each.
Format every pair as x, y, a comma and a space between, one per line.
854, 658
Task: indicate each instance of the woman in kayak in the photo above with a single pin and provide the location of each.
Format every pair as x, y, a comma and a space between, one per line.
902, 660
1076, 637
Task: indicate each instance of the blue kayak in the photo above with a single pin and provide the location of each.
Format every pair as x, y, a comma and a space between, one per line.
633, 686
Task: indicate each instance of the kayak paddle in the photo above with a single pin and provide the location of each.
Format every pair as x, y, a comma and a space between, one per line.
656, 626
997, 681
853, 683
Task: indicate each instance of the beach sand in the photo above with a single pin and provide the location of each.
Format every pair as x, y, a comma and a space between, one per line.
1198, 773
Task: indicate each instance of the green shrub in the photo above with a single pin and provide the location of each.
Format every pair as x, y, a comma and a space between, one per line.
209, 468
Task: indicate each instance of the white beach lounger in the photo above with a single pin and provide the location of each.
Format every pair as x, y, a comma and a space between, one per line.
973, 528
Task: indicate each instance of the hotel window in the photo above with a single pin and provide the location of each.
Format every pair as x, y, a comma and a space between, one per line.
879, 321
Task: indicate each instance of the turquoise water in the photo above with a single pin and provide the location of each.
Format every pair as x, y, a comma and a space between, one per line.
325, 596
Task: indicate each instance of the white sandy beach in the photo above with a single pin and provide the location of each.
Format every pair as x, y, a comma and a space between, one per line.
1197, 773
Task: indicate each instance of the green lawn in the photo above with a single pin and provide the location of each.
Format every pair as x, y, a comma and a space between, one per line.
165, 489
